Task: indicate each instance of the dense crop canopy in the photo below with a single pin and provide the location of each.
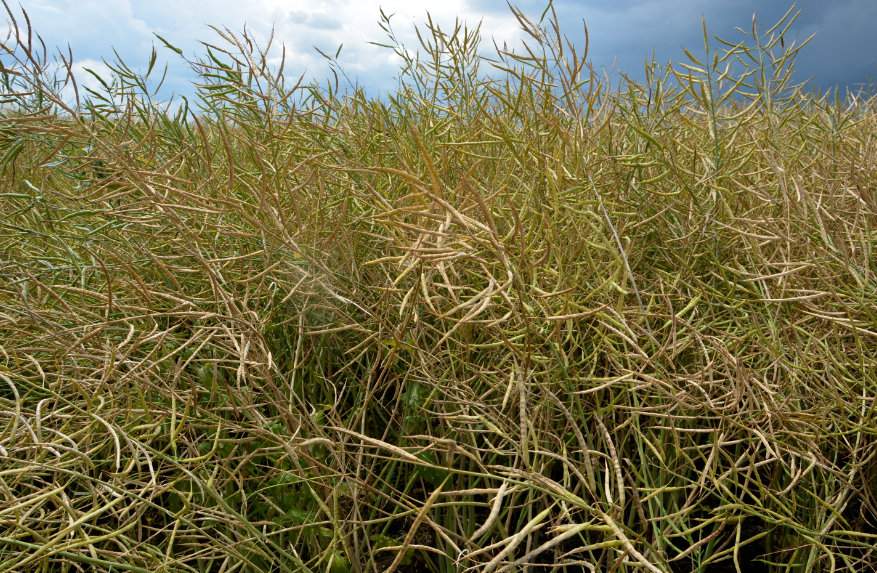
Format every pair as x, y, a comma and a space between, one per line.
506, 315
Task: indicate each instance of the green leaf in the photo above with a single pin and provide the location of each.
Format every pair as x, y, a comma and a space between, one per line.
339, 563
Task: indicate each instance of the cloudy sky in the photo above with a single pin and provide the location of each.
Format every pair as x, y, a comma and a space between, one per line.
623, 32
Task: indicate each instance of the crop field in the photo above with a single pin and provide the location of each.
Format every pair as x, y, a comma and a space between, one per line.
514, 316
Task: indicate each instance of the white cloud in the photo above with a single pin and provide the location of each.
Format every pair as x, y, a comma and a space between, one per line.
94, 27
84, 71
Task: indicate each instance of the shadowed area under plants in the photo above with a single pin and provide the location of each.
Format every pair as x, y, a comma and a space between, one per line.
506, 318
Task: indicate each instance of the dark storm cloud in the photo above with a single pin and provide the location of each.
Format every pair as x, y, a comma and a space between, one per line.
625, 32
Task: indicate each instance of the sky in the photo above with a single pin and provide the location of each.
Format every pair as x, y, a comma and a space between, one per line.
623, 33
